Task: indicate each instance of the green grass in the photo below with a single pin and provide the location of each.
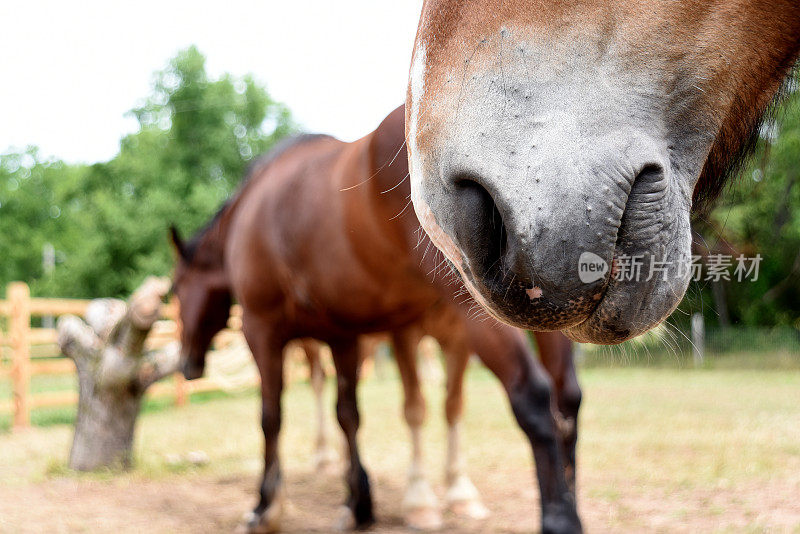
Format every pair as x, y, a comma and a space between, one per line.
706, 450
661, 357
654, 353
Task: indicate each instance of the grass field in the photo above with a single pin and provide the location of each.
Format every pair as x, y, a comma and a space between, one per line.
660, 450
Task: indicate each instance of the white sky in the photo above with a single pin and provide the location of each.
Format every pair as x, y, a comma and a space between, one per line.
71, 70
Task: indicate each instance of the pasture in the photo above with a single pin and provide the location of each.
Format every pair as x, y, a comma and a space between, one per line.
661, 449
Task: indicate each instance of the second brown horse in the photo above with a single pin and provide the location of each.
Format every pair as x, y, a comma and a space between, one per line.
320, 243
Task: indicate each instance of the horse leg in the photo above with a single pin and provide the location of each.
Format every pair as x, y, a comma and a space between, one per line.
358, 512
268, 353
420, 505
506, 352
462, 497
555, 351
325, 456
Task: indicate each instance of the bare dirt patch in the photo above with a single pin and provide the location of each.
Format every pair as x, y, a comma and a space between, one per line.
661, 451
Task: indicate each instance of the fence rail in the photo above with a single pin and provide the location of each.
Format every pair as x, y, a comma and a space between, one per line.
27, 352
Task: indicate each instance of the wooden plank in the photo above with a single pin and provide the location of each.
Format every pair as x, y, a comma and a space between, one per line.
181, 391
43, 336
19, 329
49, 350
159, 390
54, 399
170, 310
41, 306
53, 367
165, 327
204, 385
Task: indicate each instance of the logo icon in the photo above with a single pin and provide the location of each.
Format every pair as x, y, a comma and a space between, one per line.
591, 267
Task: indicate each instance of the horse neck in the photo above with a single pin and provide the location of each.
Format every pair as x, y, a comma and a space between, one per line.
388, 182
212, 243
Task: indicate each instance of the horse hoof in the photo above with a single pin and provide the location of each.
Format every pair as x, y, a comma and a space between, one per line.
427, 518
345, 521
267, 522
473, 509
421, 506
463, 499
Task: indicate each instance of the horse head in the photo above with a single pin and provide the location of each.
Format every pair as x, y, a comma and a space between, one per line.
554, 144
204, 298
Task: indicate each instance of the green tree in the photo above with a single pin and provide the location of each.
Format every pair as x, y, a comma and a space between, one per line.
109, 221
32, 211
760, 214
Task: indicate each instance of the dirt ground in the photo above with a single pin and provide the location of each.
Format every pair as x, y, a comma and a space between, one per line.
663, 451
202, 504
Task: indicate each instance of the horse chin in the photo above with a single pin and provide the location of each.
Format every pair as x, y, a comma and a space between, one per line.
617, 311
628, 312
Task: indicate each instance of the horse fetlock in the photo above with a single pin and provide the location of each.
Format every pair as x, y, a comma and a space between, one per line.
360, 501
419, 494
561, 519
326, 461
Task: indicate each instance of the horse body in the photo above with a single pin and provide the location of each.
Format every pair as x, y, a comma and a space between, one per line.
320, 243
323, 267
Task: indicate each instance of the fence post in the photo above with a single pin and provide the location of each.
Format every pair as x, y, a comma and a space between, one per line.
181, 396
698, 338
19, 328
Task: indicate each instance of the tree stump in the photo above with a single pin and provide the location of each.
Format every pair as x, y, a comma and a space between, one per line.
114, 372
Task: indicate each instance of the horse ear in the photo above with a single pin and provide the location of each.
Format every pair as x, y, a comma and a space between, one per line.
177, 242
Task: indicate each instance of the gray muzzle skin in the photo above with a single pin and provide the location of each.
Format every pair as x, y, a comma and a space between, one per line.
532, 179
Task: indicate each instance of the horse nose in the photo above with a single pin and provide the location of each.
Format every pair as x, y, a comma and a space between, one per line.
510, 248
492, 244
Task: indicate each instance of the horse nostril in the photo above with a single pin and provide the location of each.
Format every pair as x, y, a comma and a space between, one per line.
648, 191
649, 185
479, 227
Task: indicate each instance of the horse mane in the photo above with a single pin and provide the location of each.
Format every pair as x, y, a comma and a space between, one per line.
733, 149
254, 169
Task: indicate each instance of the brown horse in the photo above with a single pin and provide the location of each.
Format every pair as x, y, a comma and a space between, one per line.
552, 139
320, 243
193, 287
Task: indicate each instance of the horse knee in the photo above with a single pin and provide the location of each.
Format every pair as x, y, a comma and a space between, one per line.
571, 400
270, 422
453, 409
414, 412
347, 414
531, 404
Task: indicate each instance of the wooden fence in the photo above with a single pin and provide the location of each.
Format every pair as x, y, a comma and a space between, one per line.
26, 352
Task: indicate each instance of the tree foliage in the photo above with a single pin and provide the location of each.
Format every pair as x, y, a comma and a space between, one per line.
195, 138
108, 221
760, 214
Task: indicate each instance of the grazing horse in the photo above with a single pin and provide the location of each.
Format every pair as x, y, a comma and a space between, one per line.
550, 140
319, 242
